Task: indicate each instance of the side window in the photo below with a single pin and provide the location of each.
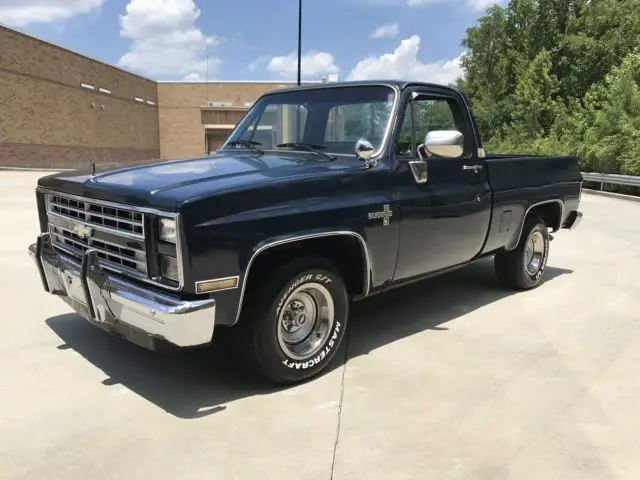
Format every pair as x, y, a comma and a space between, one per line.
433, 114
430, 114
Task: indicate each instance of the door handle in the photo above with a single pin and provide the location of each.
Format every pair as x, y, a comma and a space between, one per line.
475, 168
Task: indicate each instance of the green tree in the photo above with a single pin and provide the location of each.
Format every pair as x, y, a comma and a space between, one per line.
534, 103
611, 141
558, 77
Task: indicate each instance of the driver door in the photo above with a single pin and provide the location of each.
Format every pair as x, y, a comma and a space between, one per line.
445, 201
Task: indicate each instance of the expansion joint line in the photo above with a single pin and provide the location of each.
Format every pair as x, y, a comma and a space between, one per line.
339, 423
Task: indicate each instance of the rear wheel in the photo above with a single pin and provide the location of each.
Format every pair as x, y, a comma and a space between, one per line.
290, 330
523, 268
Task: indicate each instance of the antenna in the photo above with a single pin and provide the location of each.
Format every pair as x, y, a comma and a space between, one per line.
299, 40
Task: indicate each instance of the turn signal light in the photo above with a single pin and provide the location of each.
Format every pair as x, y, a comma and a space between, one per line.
216, 285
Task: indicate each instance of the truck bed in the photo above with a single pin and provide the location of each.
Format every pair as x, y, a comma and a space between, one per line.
522, 182
507, 172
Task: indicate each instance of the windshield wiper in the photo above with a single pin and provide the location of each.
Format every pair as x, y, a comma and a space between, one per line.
309, 147
250, 144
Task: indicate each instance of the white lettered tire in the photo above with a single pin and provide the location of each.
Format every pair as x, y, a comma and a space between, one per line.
293, 327
524, 267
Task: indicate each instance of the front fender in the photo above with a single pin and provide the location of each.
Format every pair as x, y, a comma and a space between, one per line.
226, 234
265, 245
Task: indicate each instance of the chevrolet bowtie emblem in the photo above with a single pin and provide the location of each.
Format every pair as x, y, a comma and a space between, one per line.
82, 231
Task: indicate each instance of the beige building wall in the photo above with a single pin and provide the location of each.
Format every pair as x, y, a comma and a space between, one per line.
49, 115
62, 109
188, 113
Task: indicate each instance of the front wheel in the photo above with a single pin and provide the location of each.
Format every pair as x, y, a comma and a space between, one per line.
523, 268
292, 329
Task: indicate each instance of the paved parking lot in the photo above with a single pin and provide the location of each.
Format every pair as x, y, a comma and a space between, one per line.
451, 378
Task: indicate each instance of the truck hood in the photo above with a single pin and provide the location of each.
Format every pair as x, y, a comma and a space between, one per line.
167, 185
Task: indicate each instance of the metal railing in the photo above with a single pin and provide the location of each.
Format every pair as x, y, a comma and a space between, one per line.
611, 179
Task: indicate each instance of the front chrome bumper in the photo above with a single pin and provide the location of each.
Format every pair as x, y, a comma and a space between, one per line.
140, 314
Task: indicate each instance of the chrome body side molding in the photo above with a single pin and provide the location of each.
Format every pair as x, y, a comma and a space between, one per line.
275, 243
531, 207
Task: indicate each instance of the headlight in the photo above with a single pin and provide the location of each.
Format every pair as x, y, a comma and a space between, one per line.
168, 230
169, 267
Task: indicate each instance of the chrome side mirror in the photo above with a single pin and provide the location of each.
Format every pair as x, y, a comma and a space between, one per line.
444, 143
364, 149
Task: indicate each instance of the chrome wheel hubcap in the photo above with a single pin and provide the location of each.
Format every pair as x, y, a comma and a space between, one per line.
305, 321
533, 253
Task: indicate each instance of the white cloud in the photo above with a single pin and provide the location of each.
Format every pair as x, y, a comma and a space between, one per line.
18, 13
314, 64
386, 31
484, 4
403, 63
166, 40
253, 66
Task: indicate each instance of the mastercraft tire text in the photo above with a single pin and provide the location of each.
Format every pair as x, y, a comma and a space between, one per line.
292, 329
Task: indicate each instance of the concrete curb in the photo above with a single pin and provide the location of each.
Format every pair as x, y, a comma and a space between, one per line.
619, 196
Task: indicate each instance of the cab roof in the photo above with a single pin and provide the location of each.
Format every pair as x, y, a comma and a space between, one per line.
400, 84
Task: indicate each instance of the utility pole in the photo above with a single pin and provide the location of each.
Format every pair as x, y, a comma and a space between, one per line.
299, 41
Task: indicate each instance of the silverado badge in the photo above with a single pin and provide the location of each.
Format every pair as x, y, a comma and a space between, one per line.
82, 230
385, 215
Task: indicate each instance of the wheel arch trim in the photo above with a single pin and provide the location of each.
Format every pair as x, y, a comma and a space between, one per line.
310, 236
516, 238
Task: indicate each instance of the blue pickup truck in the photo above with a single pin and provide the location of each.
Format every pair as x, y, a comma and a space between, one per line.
322, 195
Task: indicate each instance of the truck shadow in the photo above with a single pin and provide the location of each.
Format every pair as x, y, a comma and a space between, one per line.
196, 383
427, 305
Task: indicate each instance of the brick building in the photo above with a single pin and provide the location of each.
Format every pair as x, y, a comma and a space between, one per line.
195, 118
62, 109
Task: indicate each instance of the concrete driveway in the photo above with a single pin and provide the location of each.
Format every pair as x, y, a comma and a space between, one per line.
452, 378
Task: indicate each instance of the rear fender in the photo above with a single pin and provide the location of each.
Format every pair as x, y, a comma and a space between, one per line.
553, 220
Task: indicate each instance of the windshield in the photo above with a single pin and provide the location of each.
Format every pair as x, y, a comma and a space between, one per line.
331, 119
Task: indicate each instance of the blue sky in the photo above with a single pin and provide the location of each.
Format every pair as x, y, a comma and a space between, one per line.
257, 40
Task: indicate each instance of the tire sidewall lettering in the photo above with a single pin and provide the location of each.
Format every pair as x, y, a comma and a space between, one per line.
263, 338
318, 357
299, 281
545, 257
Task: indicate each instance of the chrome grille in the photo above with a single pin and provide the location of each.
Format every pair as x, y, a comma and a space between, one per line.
114, 232
115, 218
127, 258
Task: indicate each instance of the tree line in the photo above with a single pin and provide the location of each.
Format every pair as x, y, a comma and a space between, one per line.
558, 77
